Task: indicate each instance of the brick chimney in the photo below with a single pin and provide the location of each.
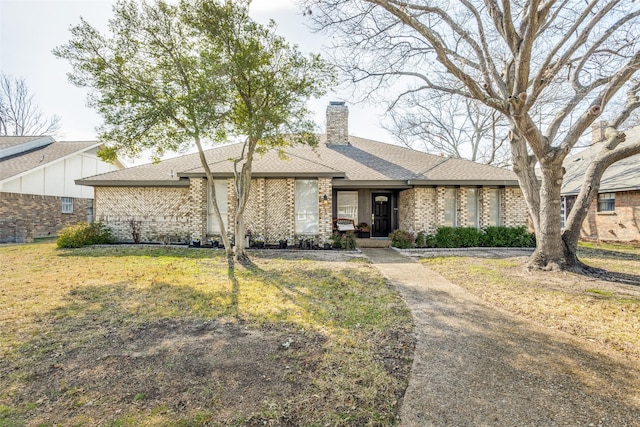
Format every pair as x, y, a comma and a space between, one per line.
337, 123
597, 131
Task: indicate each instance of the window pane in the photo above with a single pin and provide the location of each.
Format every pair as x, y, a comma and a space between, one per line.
494, 206
450, 207
348, 205
223, 204
472, 207
306, 206
67, 205
606, 202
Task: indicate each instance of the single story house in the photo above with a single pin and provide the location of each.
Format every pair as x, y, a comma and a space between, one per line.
615, 214
301, 193
38, 193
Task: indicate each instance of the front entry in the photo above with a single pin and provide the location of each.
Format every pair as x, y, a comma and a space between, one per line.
381, 216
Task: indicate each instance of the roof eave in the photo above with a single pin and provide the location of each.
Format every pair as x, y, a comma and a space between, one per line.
378, 183
267, 175
133, 183
467, 182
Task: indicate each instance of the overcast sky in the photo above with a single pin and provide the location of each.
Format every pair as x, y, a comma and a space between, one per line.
30, 29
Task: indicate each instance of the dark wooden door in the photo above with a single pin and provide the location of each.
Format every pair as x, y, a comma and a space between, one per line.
381, 214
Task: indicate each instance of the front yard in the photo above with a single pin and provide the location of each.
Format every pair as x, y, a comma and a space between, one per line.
164, 336
602, 310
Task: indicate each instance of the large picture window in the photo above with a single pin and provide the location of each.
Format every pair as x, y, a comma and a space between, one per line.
494, 207
223, 205
348, 205
450, 219
306, 206
472, 207
606, 202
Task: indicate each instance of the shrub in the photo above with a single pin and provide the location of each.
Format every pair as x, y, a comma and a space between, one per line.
348, 241
457, 237
402, 239
421, 240
514, 237
83, 234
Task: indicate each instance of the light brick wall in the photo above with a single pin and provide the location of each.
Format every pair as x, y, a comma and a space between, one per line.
180, 214
325, 216
163, 214
514, 208
24, 217
422, 208
621, 225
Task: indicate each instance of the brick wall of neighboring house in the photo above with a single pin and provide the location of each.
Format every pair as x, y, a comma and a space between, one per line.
422, 208
162, 214
621, 225
24, 217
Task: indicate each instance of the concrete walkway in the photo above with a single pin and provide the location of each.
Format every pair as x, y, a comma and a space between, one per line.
477, 366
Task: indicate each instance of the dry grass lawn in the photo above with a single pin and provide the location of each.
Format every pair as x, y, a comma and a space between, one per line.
131, 336
604, 310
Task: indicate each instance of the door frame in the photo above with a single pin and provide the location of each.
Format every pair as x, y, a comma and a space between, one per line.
390, 213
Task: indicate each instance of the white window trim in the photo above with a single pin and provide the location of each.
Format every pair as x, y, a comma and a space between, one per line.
67, 205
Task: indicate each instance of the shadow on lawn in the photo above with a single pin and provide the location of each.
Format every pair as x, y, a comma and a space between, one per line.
479, 366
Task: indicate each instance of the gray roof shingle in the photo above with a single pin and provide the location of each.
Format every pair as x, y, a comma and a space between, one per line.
620, 176
361, 161
31, 159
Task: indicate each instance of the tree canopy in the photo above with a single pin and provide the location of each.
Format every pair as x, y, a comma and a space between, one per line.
166, 77
551, 68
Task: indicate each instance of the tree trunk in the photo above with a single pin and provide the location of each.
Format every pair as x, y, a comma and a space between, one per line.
243, 188
549, 253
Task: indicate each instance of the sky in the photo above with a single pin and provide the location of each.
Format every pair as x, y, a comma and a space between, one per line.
31, 29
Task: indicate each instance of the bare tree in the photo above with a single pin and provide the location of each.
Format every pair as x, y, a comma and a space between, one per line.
19, 115
451, 126
513, 56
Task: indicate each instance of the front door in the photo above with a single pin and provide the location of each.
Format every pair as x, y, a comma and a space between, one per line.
381, 226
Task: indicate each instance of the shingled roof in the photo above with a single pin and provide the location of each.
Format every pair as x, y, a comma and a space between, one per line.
19, 155
361, 163
620, 176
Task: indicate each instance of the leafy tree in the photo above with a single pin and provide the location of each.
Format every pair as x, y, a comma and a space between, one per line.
164, 80
551, 68
19, 116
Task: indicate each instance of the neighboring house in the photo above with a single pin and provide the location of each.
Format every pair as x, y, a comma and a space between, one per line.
38, 194
301, 192
615, 214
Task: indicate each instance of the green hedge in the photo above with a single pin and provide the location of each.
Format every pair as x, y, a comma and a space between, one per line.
83, 234
465, 237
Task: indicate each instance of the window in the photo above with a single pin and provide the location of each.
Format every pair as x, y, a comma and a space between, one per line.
606, 202
306, 206
223, 205
450, 207
494, 207
563, 211
348, 205
67, 205
472, 207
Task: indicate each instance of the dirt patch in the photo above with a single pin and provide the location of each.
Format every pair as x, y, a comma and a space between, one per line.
172, 366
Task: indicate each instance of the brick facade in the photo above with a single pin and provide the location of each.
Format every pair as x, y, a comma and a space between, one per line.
623, 224
179, 214
422, 208
163, 214
24, 217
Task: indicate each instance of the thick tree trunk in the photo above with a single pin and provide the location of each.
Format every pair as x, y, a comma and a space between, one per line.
550, 248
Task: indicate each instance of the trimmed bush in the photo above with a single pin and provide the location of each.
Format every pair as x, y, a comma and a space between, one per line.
83, 234
402, 239
511, 237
